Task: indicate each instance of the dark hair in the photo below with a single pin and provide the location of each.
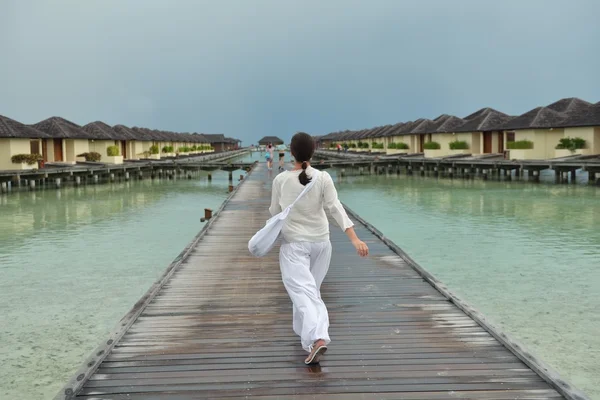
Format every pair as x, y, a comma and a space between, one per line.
302, 148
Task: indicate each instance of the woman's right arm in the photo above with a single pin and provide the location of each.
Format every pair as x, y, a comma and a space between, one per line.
275, 207
335, 207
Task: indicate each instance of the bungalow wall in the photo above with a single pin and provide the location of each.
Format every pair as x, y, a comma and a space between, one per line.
544, 143
409, 140
590, 134
134, 149
100, 146
73, 147
472, 139
10, 147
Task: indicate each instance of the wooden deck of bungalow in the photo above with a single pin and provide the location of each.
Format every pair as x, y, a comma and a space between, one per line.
217, 325
466, 165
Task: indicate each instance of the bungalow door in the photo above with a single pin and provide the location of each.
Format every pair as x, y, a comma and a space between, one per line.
45, 149
487, 142
58, 150
124, 148
421, 143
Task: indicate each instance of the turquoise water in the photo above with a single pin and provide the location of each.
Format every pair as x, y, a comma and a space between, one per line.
526, 255
74, 261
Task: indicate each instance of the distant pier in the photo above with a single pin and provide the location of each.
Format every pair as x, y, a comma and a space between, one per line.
462, 166
58, 175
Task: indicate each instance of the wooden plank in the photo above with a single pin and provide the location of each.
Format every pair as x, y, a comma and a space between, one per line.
219, 326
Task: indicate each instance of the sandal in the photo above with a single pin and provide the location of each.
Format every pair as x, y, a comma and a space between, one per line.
316, 352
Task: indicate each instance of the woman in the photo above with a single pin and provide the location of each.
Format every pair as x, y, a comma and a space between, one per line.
281, 160
269, 156
306, 250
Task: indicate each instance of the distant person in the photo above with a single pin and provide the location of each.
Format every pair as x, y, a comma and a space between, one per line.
305, 250
269, 156
281, 160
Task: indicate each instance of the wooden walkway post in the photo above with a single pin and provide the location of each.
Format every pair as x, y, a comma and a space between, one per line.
217, 325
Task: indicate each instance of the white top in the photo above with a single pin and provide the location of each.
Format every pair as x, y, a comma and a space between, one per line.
307, 221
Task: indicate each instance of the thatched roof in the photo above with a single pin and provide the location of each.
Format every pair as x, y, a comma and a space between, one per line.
486, 119
450, 124
57, 127
539, 117
381, 131
395, 129
591, 117
9, 128
570, 105
274, 140
214, 137
409, 126
100, 131
553, 115
125, 133
425, 126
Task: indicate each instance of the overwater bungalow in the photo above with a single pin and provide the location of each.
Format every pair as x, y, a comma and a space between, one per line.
218, 142
103, 136
274, 140
585, 125
533, 135
57, 140
480, 131
66, 140
538, 132
19, 139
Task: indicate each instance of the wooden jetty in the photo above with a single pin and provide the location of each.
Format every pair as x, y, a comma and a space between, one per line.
217, 325
467, 166
94, 172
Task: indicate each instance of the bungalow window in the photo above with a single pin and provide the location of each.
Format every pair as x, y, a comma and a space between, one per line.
510, 136
34, 146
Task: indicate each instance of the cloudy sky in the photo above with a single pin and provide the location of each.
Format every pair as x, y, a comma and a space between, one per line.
273, 67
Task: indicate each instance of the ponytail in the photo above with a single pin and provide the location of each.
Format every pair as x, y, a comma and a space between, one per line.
303, 147
304, 179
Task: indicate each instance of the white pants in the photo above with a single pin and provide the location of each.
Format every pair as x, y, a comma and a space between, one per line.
303, 268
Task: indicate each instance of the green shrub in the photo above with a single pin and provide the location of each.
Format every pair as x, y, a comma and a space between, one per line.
363, 145
194, 148
332, 145
30, 159
91, 156
432, 146
167, 149
378, 146
112, 151
579, 143
459, 145
571, 144
400, 145
520, 145
154, 149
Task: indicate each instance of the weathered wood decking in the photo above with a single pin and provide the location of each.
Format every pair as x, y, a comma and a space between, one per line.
218, 326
